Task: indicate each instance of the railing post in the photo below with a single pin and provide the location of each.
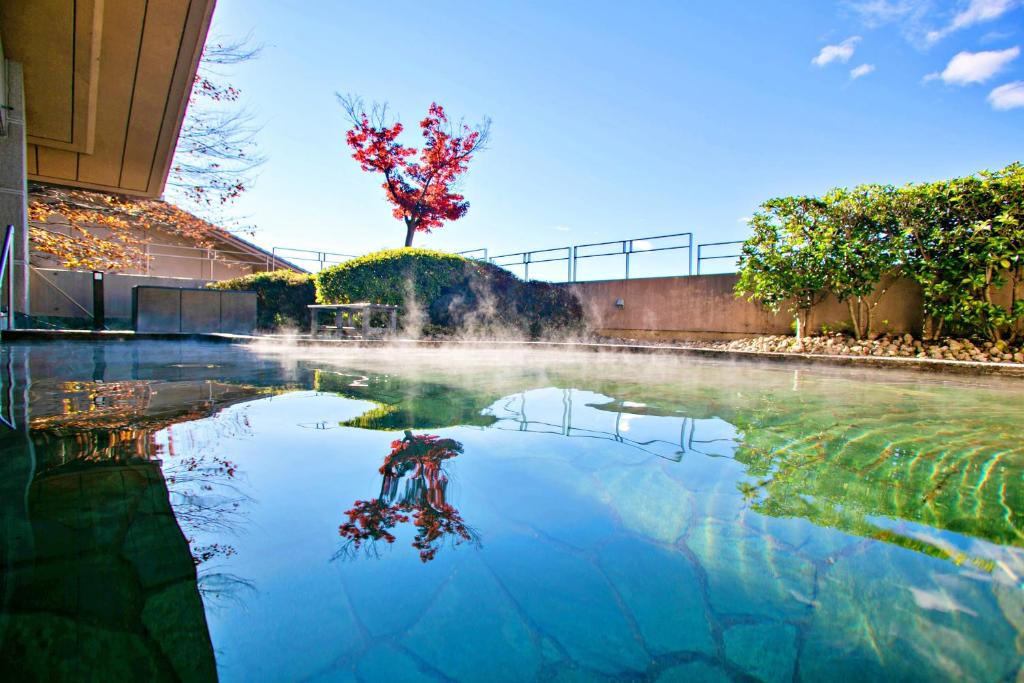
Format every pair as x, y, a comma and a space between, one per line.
99, 314
689, 257
526, 269
6, 268
699, 246
627, 248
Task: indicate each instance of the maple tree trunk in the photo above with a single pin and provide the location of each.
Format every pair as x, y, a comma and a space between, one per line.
410, 232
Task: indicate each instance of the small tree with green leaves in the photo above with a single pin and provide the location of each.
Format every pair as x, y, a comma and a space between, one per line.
959, 244
857, 249
782, 263
1002, 246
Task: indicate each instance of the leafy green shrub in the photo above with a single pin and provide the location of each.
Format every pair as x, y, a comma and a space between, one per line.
385, 277
961, 240
457, 294
281, 297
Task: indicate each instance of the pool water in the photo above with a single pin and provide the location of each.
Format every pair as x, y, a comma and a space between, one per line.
195, 512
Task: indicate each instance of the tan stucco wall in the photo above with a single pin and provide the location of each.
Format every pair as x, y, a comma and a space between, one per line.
706, 307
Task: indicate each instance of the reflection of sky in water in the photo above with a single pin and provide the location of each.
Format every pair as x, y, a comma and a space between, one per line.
633, 518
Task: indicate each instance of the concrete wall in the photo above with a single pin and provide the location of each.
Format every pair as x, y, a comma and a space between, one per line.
68, 293
706, 307
193, 311
13, 178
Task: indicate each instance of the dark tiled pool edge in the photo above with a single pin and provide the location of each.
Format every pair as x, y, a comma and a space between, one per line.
112, 335
953, 367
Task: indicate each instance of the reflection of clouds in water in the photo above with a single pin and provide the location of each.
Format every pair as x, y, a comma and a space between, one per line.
625, 420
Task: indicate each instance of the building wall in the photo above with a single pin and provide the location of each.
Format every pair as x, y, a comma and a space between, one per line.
13, 179
174, 256
706, 307
68, 293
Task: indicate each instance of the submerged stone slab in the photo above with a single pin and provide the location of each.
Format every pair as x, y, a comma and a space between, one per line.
693, 672
472, 627
747, 574
569, 600
647, 500
766, 651
381, 608
889, 613
541, 500
663, 593
386, 663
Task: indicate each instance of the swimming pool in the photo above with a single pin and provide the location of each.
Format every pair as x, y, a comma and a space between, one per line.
188, 511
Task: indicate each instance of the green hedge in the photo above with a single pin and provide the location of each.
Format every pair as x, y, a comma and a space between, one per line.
281, 297
456, 293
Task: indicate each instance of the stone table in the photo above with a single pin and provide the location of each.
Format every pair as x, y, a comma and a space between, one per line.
347, 312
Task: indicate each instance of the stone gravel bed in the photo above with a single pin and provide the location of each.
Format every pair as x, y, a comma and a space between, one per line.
885, 346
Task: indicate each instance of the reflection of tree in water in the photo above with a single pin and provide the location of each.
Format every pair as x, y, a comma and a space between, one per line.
414, 488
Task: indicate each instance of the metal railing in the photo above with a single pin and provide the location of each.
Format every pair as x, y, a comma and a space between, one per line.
700, 252
525, 258
572, 255
210, 256
7, 273
637, 245
321, 258
475, 254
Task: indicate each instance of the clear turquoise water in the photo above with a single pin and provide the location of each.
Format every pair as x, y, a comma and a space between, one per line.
197, 512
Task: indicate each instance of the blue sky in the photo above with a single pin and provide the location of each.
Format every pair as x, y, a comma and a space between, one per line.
614, 120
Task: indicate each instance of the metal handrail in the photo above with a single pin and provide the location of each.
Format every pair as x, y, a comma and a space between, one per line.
7, 270
527, 257
627, 248
701, 258
321, 256
469, 254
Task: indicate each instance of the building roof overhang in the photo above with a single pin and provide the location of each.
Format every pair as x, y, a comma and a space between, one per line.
107, 83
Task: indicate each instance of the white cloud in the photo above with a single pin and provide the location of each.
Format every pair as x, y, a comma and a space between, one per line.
562, 228
910, 16
976, 12
880, 12
1009, 96
862, 70
836, 53
642, 245
975, 67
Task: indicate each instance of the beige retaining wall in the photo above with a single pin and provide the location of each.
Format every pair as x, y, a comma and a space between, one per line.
706, 307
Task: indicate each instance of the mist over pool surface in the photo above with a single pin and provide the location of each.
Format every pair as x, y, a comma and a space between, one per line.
184, 511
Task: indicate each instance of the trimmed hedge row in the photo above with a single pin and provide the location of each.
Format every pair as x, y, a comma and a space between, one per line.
281, 297
457, 294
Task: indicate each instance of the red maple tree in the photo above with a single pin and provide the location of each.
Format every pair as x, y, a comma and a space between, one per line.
421, 190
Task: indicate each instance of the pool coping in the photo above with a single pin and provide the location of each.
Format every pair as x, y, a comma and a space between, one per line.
954, 367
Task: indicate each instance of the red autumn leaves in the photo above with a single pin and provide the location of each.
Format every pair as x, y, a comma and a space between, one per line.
421, 188
413, 489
